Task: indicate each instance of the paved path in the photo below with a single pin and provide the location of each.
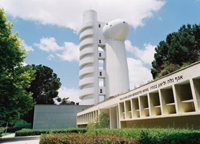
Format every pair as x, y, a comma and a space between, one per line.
10, 139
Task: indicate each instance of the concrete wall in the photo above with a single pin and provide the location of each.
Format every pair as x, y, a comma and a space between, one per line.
56, 116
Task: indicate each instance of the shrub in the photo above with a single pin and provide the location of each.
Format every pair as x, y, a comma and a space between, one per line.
103, 121
18, 126
22, 124
29, 132
168, 69
84, 139
91, 125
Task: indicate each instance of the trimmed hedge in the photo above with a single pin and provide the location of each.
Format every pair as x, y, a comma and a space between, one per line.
84, 139
141, 135
155, 135
170, 137
29, 132
127, 132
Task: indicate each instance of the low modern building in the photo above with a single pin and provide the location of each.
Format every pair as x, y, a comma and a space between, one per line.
173, 101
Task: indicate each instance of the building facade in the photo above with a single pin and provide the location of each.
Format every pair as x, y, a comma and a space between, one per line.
103, 63
171, 101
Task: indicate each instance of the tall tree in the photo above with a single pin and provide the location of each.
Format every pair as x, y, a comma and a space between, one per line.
14, 78
65, 101
45, 86
180, 49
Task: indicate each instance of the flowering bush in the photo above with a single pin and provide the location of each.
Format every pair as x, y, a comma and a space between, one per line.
84, 139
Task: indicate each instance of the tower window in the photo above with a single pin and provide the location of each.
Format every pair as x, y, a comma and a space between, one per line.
99, 54
99, 41
99, 25
101, 91
100, 73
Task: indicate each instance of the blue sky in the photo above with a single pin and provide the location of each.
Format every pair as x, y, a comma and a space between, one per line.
49, 31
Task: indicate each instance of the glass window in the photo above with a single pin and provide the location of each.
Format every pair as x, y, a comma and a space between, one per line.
99, 54
99, 41
101, 90
99, 25
100, 73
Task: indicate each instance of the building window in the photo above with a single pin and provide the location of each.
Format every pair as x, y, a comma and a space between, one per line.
100, 73
124, 22
99, 25
101, 91
99, 41
99, 54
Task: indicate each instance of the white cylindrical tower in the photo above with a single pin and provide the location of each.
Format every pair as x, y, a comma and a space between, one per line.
88, 65
117, 79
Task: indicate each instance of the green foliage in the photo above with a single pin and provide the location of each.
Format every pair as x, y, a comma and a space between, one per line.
84, 139
155, 135
129, 132
14, 78
14, 129
168, 69
65, 101
29, 132
91, 125
102, 121
45, 86
1, 131
170, 136
178, 48
22, 124
7, 133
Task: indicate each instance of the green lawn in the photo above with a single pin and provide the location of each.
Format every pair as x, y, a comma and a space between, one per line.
5, 134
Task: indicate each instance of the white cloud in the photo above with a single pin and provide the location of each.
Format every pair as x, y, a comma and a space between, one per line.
48, 45
68, 13
146, 55
138, 74
70, 52
67, 52
72, 93
50, 57
25, 46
